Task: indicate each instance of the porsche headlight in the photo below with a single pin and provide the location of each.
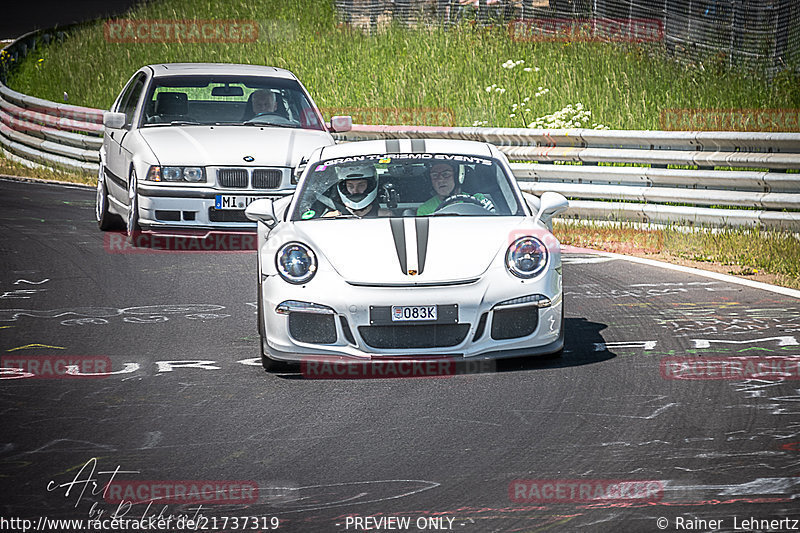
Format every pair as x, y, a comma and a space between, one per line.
526, 257
296, 262
175, 174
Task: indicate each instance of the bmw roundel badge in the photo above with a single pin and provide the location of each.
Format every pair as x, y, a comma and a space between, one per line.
249, 158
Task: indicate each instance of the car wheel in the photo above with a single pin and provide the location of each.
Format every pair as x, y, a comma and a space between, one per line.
105, 219
133, 209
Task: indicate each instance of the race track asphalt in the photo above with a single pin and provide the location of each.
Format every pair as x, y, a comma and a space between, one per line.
191, 402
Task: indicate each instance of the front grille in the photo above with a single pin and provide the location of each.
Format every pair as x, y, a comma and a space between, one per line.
226, 215
414, 337
312, 328
514, 323
232, 177
267, 178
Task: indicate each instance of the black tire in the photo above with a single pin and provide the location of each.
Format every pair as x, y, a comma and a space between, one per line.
105, 219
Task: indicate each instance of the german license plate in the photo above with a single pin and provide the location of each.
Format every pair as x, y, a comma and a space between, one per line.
404, 313
229, 201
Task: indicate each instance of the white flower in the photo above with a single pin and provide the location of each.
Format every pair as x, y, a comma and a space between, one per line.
499, 90
479, 123
536, 69
568, 117
512, 115
511, 63
528, 69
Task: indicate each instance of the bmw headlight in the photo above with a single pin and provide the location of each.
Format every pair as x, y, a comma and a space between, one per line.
176, 174
526, 257
296, 262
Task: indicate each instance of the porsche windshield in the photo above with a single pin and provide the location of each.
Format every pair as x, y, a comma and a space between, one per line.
256, 101
406, 185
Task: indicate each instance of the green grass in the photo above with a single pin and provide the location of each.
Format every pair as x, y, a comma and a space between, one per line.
9, 167
624, 86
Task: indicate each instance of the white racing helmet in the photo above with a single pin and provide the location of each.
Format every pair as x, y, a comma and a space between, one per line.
361, 200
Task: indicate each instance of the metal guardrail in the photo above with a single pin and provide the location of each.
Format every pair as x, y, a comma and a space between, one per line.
43, 132
584, 165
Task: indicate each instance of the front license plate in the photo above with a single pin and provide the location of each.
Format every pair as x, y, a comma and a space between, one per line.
404, 313
229, 201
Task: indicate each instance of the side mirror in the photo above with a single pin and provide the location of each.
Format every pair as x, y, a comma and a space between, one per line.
262, 211
533, 201
114, 121
341, 124
551, 204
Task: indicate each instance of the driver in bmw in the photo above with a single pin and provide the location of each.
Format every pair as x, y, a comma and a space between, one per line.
444, 184
357, 193
264, 102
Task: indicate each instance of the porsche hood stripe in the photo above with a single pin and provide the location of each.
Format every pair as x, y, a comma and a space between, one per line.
399, 234
403, 243
392, 145
421, 225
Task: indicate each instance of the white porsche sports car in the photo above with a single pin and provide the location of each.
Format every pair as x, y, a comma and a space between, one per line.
189, 145
412, 249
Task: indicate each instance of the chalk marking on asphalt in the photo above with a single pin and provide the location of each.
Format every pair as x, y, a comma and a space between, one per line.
32, 346
785, 291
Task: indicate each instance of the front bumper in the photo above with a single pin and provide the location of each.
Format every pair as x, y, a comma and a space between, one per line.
339, 324
174, 207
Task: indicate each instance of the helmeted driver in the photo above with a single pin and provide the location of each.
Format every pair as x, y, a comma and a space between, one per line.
358, 192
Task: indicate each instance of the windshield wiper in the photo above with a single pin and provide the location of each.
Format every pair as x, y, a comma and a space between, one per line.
252, 122
184, 123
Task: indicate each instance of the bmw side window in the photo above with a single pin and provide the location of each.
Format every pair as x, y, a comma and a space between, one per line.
125, 94
129, 101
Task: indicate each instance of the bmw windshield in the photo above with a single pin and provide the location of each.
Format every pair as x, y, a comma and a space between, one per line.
217, 100
406, 185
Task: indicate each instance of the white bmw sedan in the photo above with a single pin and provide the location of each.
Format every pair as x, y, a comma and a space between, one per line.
408, 248
189, 146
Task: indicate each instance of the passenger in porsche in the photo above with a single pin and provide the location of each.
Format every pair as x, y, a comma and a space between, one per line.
445, 185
